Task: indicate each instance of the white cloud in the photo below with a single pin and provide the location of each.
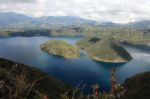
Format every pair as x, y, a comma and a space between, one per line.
120, 11
23, 1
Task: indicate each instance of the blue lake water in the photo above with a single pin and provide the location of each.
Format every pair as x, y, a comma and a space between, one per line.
26, 50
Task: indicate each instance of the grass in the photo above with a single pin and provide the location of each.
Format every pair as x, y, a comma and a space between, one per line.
26, 82
61, 48
105, 49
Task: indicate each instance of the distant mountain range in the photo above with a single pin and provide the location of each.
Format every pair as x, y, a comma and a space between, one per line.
11, 18
140, 24
19, 20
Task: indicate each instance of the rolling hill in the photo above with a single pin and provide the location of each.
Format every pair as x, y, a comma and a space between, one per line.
105, 50
18, 77
61, 48
20, 20
145, 24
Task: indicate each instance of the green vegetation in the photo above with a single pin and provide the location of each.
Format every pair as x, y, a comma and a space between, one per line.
130, 35
138, 86
118, 33
61, 48
106, 50
116, 91
19, 81
135, 87
126, 34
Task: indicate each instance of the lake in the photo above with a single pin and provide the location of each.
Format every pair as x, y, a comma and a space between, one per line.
81, 71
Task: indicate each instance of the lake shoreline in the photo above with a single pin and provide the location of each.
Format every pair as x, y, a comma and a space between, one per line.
26, 50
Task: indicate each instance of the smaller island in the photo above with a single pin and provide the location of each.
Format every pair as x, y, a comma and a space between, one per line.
61, 48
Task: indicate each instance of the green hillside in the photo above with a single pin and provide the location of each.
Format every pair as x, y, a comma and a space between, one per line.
138, 86
61, 48
26, 82
85, 42
118, 33
106, 50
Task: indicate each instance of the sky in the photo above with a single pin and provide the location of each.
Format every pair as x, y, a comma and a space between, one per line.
117, 11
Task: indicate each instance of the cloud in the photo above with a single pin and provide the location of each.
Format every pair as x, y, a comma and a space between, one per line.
119, 11
17, 1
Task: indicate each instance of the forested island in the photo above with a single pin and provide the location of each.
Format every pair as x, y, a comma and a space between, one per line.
61, 48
